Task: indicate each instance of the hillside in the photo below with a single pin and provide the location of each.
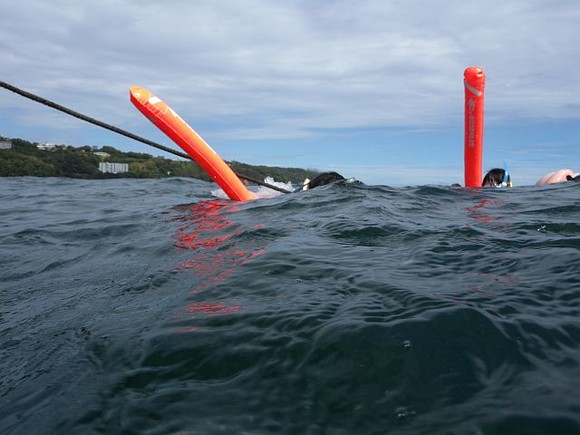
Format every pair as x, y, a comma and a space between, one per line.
26, 159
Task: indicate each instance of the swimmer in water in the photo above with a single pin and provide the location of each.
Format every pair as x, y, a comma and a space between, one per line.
558, 176
497, 177
321, 180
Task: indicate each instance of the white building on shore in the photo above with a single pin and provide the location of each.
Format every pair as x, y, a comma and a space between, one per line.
113, 168
47, 146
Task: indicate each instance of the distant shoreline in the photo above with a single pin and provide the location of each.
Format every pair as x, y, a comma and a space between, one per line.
21, 158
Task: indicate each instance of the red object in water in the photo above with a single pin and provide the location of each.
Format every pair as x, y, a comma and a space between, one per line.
474, 81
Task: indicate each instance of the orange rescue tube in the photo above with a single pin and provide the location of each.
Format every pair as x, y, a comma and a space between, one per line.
183, 135
474, 81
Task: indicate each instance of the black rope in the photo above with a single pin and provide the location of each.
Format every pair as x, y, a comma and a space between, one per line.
119, 131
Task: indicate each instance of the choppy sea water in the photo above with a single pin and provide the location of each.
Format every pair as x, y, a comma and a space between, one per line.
151, 307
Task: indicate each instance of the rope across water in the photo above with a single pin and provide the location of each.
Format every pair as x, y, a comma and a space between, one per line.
117, 130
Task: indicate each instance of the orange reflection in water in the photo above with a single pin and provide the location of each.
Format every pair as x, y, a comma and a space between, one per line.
206, 309
217, 250
491, 285
476, 211
214, 241
214, 309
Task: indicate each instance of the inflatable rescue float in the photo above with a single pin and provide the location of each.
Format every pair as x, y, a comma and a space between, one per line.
474, 82
193, 144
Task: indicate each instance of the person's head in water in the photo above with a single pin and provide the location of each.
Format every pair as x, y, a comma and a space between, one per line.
497, 177
559, 176
324, 179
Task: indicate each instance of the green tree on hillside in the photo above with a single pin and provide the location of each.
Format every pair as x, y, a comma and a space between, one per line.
25, 159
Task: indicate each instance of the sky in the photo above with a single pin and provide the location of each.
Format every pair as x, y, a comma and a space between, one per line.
372, 89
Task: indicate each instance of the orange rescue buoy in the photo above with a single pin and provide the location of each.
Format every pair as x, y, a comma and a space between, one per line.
193, 144
474, 81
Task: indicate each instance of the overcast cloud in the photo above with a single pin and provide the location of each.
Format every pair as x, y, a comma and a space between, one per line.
304, 83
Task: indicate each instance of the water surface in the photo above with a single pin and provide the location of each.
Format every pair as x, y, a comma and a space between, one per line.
150, 306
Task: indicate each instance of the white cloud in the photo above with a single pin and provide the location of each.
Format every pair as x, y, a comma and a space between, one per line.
256, 69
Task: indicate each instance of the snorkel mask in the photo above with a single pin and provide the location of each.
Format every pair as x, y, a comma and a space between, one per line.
304, 186
507, 180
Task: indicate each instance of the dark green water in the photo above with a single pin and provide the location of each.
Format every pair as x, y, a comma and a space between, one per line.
149, 307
